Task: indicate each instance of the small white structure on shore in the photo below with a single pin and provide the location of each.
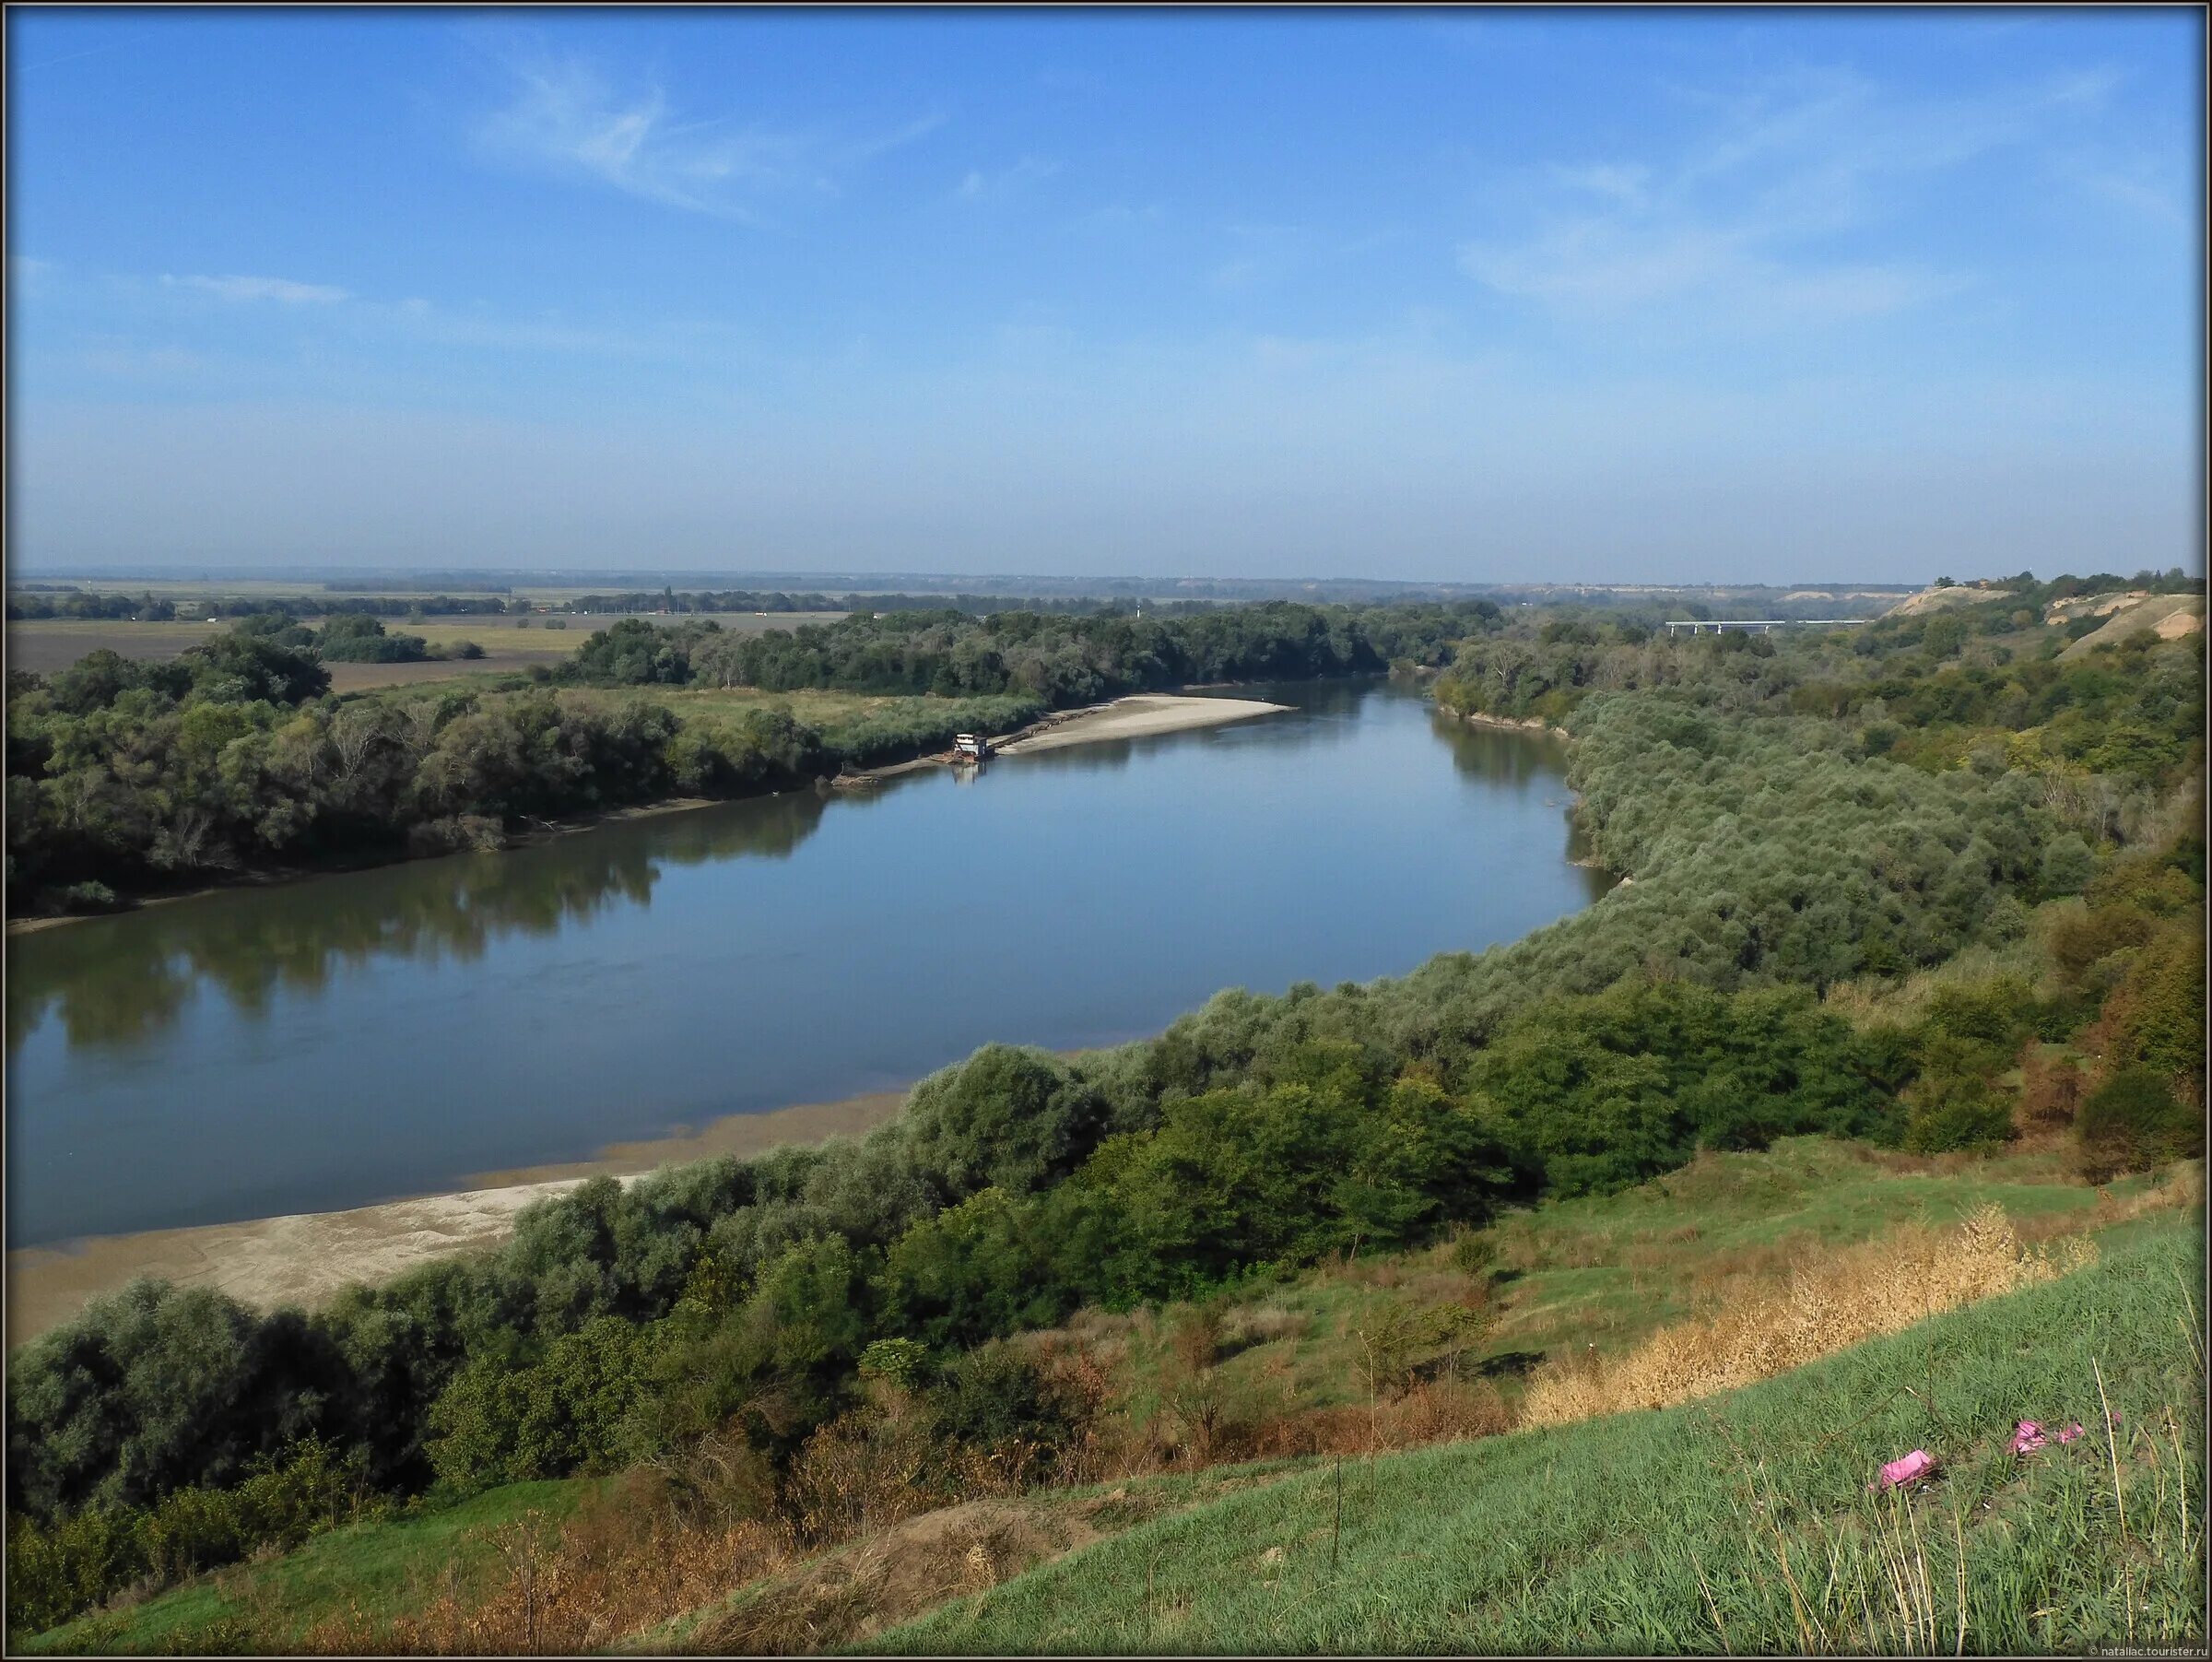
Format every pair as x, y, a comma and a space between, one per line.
972, 744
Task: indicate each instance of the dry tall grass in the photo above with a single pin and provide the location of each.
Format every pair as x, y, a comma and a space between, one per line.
1827, 1302
616, 1568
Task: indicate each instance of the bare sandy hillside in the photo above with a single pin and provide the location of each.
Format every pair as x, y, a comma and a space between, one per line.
1937, 600
2169, 617
2092, 606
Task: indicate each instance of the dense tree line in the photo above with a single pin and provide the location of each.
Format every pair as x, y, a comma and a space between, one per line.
352, 637
1062, 659
1983, 684
125, 774
149, 608
678, 602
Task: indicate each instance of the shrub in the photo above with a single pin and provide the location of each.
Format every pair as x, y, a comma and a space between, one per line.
1952, 1112
456, 833
1008, 1117
55, 1572
2156, 1016
2081, 940
566, 1413
2134, 1122
998, 1400
899, 1362
59, 1571
2067, 864
89, 897
1475, 1253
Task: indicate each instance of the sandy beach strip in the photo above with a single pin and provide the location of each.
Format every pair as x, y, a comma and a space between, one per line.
1140, 715
306, 1258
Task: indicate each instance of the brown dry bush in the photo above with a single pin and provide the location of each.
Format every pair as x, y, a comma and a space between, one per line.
1434, 1412
900, 1572
1829, 1300
870, 1467
620, 1565
2050, 1090
2181, 1187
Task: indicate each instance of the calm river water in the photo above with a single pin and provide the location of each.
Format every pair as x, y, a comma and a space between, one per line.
358, 1038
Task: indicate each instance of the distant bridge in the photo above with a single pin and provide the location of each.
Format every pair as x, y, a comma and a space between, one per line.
1716, 624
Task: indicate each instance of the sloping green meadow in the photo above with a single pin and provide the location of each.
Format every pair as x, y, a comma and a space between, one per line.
1743, 1523
381, 1569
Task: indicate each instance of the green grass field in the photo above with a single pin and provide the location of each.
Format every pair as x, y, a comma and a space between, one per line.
511, 642
1603, 1271
379, 1569
1742, 1523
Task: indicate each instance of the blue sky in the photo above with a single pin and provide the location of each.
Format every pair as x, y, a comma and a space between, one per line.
1450, 295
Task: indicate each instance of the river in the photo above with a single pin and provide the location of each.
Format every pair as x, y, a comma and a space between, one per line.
358, 1038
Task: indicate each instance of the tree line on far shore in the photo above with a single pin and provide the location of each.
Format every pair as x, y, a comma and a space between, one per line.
126, 776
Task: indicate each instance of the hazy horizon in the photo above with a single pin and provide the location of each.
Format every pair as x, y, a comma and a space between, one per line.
1469, 298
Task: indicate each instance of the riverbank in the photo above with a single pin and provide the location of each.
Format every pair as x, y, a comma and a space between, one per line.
1139, 716
534, 831
306, 1258
1532, 723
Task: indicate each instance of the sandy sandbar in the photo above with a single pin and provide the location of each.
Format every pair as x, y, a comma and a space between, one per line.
305, 1259
1140, 715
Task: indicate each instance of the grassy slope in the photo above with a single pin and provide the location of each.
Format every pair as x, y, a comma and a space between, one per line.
1606, 1272
1603, 1270
861, 1586
1669, 1530
379, 1567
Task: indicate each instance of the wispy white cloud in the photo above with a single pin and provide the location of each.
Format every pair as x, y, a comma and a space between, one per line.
30, 276
1737, 230
1596, 267
340, 316
564, 116
1622, 181
1121, 217
2139, 184
126, 360
977, 185
280, 290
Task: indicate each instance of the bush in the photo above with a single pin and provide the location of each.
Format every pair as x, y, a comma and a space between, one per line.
58, 1572
1955, 1115
1993, 1012
54, 1573
89, 897
1008, 1117
456, 833
2156, 1015
563, 1414
2080, 941
1475, 1253
2134, 1122
2067, 864
995, 1396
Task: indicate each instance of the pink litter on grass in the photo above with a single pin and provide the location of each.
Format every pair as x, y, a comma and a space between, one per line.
2071, 1433
2028, 1438
1899, 1472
